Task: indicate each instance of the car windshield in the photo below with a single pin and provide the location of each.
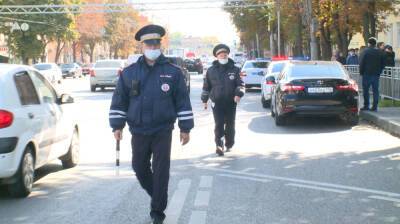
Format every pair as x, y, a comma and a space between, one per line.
310, 70
42, 66
277, 67
108, 64
260, 64
67, 65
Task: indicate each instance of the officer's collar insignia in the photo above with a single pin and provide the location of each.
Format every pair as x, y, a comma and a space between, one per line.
165, 87
166, 76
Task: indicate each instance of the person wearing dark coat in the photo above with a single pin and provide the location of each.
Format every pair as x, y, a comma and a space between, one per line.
224, 87
352, 59
372, 63
390, 56
150, 96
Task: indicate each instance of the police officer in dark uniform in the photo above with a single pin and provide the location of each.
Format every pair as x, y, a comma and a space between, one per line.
151, 94
225, 88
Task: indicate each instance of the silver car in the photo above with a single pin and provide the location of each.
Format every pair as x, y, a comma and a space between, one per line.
105, 73
268, 82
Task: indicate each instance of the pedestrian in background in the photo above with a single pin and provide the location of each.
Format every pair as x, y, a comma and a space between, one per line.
338, 56
151, 94
390, 56
381, 46
224, 86
352, 59
372, 63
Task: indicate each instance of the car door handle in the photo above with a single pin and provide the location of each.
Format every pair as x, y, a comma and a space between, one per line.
31, 115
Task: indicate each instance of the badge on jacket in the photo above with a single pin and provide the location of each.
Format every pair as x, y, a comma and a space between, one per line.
231, 77
165, 87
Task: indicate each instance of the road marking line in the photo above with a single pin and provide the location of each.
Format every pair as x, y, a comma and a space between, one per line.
202, 198
247, 170
385, 198
390, 194
245, 178
318, 188
177, 201
198, 217
206, 182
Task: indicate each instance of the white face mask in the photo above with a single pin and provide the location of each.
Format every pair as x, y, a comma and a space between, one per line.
152, 54
223, 61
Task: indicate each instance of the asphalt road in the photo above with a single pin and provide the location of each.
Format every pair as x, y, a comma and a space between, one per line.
313, 171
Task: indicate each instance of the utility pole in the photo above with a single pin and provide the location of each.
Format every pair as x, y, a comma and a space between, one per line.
313, 29
258, 45
279, 26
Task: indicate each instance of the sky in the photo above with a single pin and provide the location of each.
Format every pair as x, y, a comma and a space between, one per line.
196, 22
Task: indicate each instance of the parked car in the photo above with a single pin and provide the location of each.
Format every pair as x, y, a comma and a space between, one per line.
86, 69
194, 65
268, 82
36, 127
105, 73
239, 58
71, 70
133, 58
253, 72
50, 71
176, 60
315, 88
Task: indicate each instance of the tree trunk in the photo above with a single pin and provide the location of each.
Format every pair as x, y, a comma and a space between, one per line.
60, 47
74, 51
91, 51
326, 42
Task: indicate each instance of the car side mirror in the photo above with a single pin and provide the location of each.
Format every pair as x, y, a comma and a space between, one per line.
65, 99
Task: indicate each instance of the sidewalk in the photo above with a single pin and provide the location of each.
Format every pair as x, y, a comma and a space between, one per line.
387, 118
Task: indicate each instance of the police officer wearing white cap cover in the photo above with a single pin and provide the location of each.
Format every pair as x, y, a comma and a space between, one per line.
151, 94
225, 88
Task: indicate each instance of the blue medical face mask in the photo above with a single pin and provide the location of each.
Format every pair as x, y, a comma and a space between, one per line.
223, 61
152, 54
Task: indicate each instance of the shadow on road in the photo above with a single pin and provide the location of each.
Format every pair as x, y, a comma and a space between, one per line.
302, 125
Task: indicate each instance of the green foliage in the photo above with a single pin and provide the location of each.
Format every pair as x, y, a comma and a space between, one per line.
43, 28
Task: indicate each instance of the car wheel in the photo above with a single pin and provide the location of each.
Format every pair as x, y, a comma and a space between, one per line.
265, 103
71, 159
59, 81
272, 110
103, 88
93, 88
351, 119
280, 120
25, 176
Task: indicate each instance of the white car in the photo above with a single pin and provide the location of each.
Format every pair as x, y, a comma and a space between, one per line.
51, 71
268, 82
253, 72
36, 127
105, 73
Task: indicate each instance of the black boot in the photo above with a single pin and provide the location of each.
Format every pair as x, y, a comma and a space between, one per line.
220, 151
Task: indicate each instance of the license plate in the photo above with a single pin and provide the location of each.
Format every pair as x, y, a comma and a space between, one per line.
321, 90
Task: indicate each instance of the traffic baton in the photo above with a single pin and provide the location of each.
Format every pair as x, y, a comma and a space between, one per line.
117, 163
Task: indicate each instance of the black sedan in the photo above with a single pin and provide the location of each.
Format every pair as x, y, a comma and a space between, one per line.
315, 88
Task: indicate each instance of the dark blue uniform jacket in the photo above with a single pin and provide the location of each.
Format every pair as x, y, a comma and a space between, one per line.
163, 98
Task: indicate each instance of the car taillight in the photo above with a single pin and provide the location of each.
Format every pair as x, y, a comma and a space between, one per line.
292, 88
243, 74
6, 118
269, 82
352, 86
92, 73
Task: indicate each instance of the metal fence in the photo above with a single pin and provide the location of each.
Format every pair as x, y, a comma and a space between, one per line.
389, 85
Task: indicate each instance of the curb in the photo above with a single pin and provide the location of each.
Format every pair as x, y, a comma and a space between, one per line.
385, 123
